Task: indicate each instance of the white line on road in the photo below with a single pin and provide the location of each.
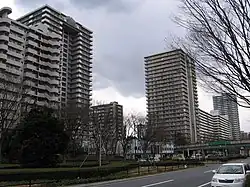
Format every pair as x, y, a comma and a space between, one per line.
208, 171
204, 184
154, 184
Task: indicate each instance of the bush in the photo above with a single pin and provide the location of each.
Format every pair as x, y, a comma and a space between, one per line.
74, 173
59, 173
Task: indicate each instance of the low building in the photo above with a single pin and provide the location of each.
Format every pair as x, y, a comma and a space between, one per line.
244, 135
136, 149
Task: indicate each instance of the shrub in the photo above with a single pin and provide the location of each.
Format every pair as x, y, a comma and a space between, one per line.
74, 173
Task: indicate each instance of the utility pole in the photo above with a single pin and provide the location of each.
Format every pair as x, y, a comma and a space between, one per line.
100, 147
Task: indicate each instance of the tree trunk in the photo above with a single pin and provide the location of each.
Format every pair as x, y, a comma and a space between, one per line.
1, 154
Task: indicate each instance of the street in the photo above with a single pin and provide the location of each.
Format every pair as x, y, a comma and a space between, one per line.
193, 177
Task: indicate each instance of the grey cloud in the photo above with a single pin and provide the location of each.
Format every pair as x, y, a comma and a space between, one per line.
109, 5
29, 5
121, 41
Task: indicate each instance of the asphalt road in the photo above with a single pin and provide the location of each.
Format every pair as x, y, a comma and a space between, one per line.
193, 177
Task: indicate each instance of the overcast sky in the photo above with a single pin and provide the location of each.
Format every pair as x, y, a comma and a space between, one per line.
124, 32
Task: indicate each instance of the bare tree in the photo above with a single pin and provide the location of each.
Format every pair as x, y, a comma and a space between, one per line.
149, 135
13, 103
131, 125
103, 128
218, 40
76, 119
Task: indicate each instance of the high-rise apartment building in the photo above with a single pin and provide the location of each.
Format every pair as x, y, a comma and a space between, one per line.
213, 127
171, 92
226, 105
75, 60
29, 56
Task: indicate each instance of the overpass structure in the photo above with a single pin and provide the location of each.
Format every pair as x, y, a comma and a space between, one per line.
240, 145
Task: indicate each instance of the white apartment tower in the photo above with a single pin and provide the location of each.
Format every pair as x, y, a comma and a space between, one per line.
171, 92
213, 127
30, 55
226, 104
75, 57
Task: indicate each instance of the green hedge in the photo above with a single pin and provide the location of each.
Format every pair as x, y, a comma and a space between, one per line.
73, 173
59, 173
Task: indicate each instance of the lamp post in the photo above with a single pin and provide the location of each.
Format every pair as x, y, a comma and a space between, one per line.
100, 146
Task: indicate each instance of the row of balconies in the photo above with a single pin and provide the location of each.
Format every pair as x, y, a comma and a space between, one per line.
13, 71
166, 69
16, 28
40, 62
167, 82
47, 80
81, 50
16, 46
50, 97
163, 56
43, 48
163, 79
4, 37
17, 38
15, 54
4, 28
42, 87
54, 41
48, 72
5, 21
14, 63
4, 46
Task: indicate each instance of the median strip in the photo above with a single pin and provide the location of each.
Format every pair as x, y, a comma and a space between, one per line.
158, 183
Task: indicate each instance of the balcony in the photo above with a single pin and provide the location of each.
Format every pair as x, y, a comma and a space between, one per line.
31, 67
5, 20
32, 51
32, 35
30, 42
3, 56
17, 55
4, 47
4, 28
17, 30
32, 59
13, 71
2, 66
20, 39
4, 38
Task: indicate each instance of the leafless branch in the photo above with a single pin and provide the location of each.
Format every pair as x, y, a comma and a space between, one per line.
13, 103
218, 41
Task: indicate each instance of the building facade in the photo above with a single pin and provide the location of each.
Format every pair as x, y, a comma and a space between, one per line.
109, 118
206, 130
75, 53
29, 56
171, 92
244, 135
222, 128
226, 104
213, 127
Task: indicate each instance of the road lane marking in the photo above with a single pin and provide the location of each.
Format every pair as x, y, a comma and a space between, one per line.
208, 171
154, 184
204, 184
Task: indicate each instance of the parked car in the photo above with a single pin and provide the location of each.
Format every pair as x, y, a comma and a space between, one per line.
178, 157
231, 175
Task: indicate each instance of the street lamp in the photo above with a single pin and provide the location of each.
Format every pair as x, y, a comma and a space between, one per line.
100, 146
